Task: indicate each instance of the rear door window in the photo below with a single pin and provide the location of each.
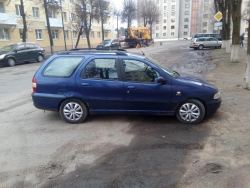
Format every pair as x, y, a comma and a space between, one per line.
62, 66
101, 68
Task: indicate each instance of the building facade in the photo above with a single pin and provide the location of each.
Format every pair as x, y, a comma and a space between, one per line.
11, 24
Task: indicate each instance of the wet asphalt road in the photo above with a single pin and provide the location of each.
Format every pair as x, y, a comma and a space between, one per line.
39, 149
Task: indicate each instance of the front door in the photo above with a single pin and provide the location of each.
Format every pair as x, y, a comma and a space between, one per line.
141, 91
21, 53
99, 84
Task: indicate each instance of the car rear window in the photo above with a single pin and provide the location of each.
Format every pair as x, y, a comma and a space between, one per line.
62, 66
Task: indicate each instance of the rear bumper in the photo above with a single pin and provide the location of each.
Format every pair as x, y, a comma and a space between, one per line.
212, 106
47, 101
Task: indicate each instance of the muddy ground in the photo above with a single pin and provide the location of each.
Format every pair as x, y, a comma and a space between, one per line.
38, 149
166, 153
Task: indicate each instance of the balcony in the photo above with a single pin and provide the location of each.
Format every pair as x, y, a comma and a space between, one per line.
54, 23
54, 4
8, 20
107, 27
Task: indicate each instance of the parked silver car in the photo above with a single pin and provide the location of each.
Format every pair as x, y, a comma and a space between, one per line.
205, 42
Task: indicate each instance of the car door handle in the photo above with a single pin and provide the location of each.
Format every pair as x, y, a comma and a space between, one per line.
85, 84
131, 87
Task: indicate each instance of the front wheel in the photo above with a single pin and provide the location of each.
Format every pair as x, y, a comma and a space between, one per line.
191, 112
73, 111
40, 58
11, 62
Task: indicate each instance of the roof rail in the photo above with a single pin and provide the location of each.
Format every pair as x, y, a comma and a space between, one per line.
94, 50
117, 49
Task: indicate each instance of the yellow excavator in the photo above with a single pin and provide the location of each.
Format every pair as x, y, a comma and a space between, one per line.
137, 36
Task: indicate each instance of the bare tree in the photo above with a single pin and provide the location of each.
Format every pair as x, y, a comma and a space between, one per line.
103, 14
236, 17
24, 21
246, 16
224, 6
128, 13
86, 11
117, 15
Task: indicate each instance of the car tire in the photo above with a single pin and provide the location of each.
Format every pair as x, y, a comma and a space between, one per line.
190, 111
73, 111
11, 62
40, 58
200, 47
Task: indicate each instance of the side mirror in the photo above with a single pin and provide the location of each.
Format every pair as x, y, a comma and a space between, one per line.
161, 81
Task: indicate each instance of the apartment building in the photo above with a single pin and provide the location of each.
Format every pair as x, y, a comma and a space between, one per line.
11, 25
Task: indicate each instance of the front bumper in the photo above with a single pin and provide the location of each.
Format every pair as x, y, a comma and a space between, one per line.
213, 105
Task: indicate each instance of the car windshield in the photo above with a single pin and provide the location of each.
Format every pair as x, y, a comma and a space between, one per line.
167, 70
8, 48
106, 42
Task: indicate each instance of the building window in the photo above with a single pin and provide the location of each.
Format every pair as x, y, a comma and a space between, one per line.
157, 28
39, 35
165, 1
246, 29
185, 33
74, 35
186, 12
172, 26
165, 14
99, 34
172, 13
164, 27
1, 7
172, 20
157, 1
204, 24
205, 15
185, 26
66, 34
84, 35
52, 14
157, 21
4, 34
73, 17
205, 7
164, 34
157, 35
206, 1
18, 12
165, 7
71, 1
204, 31
92, 34
21, 34
172, 33
187, 5
164, 21
173, 0
105, 34
65, 16
186, 0
54, 34
35, 12
173, 6
185, 19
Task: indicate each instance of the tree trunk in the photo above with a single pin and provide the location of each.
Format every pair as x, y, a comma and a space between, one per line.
246, 83
117, 27
228, 46
78, 37
24, 21
48, 26
88, 39
236, 17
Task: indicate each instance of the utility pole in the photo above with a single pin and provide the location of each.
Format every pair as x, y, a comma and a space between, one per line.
63, 26
48, 25
24, 21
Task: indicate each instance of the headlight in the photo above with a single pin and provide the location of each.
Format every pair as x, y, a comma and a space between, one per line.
2, 56
217, 95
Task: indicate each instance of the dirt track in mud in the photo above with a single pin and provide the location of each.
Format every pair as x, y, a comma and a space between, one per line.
112, 151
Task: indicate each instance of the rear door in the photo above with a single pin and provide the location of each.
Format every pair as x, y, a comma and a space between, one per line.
141, 91
32, 51
99, 84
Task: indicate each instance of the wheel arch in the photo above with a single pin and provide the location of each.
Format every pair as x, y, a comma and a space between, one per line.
78, 98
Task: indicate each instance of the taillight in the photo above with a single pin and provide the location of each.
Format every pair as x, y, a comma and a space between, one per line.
34, 84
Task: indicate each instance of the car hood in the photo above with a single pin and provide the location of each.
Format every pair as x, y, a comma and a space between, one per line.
194, 80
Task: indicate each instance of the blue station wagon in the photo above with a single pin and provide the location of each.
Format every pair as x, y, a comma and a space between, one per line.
79, 83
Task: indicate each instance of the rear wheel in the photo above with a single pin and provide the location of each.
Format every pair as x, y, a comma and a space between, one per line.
200, 47
191, 112
73, 111
11, 62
